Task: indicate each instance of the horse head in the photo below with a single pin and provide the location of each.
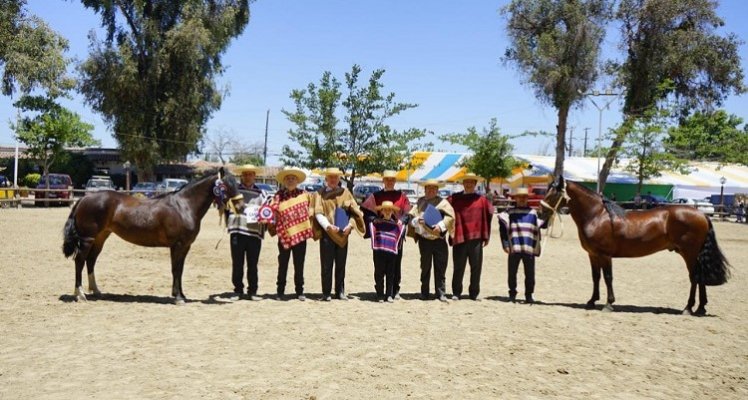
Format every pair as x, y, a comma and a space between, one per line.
225, 191
555, 198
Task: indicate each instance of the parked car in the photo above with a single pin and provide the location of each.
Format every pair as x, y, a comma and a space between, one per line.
4, 181
147, 189
99, 183
311, 187
411, 195
702, 205
269, 190
444, 193
361, 192
61, 183
647, 201
171, 184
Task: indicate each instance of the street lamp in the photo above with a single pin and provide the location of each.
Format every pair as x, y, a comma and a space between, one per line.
596, 93
127, 175
722, 182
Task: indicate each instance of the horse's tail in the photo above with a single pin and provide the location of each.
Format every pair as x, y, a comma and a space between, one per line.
71, 241
712, 267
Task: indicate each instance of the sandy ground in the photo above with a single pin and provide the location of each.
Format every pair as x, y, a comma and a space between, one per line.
132, 343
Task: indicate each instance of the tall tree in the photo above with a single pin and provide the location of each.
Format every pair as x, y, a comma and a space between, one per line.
672, 44
491, 151
52, 130
555, 44
153, 77
710, 136
365, 143
31, 54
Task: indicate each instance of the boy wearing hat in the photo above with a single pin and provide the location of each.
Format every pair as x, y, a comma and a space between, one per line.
431, 239
473, 214
292, 211
246, 233
519, 227
398, 199
386, 235
333, 245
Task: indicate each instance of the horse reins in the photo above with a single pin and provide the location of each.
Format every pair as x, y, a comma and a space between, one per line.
554, 213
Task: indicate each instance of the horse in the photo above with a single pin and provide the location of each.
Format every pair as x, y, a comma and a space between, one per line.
169, 220
606, 231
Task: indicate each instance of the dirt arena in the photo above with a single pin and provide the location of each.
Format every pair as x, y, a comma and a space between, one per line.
133, 343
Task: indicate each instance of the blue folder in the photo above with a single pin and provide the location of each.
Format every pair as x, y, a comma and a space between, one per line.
341, 218
431, 216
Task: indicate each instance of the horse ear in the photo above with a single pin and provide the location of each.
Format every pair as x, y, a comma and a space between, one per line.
221, 172
560, 181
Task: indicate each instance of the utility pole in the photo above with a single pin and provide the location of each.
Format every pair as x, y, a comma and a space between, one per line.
585, 141
571, 141
265, 149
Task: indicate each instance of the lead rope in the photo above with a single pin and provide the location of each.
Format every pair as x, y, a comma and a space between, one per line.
551, 223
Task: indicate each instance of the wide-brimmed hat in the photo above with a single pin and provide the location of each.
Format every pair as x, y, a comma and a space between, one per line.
468, 176
247, 168
521, 192
334, 171
286, 171
432, 182
388, 205
389, 174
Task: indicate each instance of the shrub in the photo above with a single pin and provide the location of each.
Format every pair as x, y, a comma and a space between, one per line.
31, 180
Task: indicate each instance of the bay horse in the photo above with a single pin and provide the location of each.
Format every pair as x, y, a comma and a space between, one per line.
606, 231
169, 220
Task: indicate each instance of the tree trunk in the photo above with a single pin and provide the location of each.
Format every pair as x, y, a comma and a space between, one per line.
613, 152
563, 114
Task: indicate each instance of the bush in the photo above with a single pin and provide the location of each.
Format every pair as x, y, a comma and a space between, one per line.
31, 180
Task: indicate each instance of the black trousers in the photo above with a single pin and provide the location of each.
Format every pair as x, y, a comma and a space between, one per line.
436, 253
397, 274
472, 251
528, 261
331, 255
284, 255
243, 246
385, 265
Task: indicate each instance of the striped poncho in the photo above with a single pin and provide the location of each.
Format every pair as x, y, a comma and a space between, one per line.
520, 230
386, 235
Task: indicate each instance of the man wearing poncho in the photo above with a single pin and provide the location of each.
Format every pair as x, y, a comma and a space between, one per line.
431, 239
292, 211
369, 207
333, 240
473, 214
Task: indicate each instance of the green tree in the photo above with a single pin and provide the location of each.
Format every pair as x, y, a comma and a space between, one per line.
710, 136
555, 44
153, 78
31, 54
491, 151
646, 151
365, 143
52, 130
672, 44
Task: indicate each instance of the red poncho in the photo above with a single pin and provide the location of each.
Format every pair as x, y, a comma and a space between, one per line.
473, 214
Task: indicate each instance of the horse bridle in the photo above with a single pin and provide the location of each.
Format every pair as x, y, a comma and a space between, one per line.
554, 212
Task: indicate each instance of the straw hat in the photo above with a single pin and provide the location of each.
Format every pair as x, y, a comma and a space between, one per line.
247, 168
389, 174
286, 171
334, 171
522, 191
468, 176
388, 205
432, 182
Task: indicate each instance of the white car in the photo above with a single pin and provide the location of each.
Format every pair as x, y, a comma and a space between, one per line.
411, 195
701, 205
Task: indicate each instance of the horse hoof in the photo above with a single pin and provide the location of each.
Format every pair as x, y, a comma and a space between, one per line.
95, 292
590, 305
79, 295
179, 301
608, 308
700, 312
687, 311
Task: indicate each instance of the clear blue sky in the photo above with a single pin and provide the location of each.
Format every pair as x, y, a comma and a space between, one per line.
442, 55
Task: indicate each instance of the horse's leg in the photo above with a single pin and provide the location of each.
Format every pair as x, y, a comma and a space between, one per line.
178, 254
594, 263
701, 310
80, 261
91, 262
607, 266
690, 260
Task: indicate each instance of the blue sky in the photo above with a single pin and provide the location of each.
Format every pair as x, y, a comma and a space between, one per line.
442, 55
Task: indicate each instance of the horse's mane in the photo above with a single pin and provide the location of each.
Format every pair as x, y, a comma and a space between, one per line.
613, 209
